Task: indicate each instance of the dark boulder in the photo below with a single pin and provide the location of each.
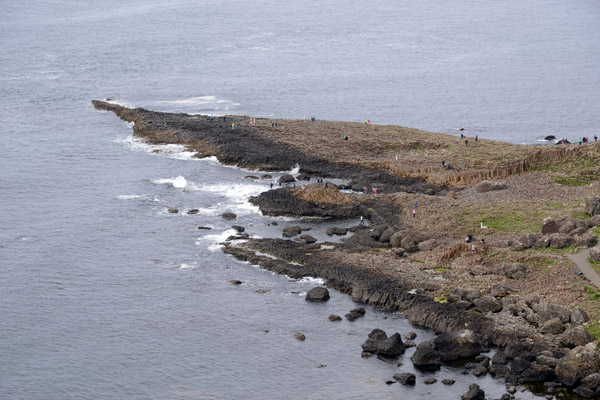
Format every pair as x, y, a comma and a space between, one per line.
426, 357
307, 239
235, 282
499, 371
377, 231
253, 177
550, 137
193, 211
291, 231
303, 177
334, 318
317, 295
474, 393
448, 382
537, 373
238, 228
590, 387
355, 313
173, 210
430, 381
560, 241
386, 235
547, 311
299, 336
391, 346
405, 378
287, 178
410, 335
228, 215
549, 226
457, 345
577, 336
375, 338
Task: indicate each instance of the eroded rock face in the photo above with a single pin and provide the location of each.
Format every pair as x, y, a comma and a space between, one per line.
317, 295
592, 205
578, 364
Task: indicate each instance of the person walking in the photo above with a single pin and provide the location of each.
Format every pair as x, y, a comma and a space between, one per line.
595, 137
466, 142
414, 213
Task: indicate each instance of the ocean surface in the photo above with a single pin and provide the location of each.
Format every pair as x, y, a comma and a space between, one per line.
106, 295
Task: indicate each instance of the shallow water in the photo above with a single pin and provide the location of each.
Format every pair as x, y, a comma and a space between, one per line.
107, 295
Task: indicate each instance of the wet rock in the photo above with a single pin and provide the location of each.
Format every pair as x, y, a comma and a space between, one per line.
510, 270
235, 282
579, 316
590, 387
448, 382
578, 364
334, 318
266, 176
410, 335
511, 390
274, 223
389, 382
505, 396
205, 227
488, 304
193, 211
355, 314
474, 393
592, 205
426, 357
553, 326
405, 378
299, 336
307, 239
287, 178
577, 336
391, 346
228, 215
375, 337
457, 345
291, 231
549, 226
499, 371
336, 231
537, 373
303, 177
546, 360
480, 370
173, 211
253, 177
317, 295
238, 228
410, 343
430, 381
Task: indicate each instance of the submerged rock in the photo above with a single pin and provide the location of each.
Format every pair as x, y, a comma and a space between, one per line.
355, 313
291, 231
317, 295
299, 336
405, 378
228, 215
391, 346
334, 318
474, 393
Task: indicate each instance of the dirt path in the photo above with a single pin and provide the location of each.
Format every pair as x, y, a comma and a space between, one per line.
581, 259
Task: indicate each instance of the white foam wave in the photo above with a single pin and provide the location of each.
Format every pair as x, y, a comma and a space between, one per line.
176, 151
295, 170
201, 101
214, 241
179, 182
129, 197
187, 266
119, 102
312, 280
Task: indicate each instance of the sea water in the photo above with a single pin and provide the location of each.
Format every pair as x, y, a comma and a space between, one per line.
105, 294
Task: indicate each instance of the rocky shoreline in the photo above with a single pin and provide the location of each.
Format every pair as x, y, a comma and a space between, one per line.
497, 293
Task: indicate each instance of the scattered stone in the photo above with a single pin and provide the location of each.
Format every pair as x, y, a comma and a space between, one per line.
410, 335
448, 381
355, 313
410, 343
193, 211
474, 393
560, 240
291, 231
317, 295
389, 382
480, 370
366, 354
228, 215
430, 381
238, 228
263, 291
274, 223
235, 282
303, 177
335, 318
512, 390
405, 378
537, 373
505, 396
399, 251
547, 311
321, 365
299, 336
173, 211
499, 290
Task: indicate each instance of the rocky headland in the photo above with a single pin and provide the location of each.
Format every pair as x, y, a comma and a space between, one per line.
421, 195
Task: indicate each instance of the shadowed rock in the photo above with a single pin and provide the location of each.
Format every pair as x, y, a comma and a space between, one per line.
317, 295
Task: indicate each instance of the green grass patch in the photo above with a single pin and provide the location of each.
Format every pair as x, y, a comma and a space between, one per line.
441, 298
595, 266
591, 292
578, 171
565, 250
594, 330
441, 270
580, 215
